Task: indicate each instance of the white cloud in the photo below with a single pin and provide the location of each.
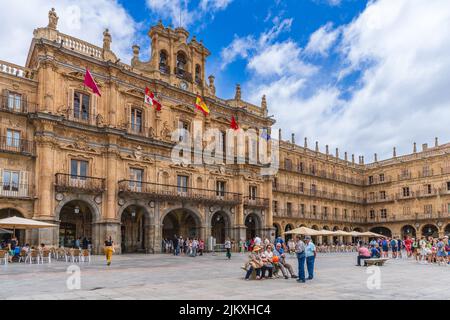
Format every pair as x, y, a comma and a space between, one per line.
178, 11
81, 19
244, 47
400, 49
322, 40
280, 59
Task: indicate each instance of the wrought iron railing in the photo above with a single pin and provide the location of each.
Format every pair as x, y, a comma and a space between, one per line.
256, 202
16, 105
68, 182
9, 144
172, 192
15, 190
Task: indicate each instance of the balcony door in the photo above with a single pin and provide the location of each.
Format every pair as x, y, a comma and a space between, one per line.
14, 102
78, 173
13, 140
136, 177
81, 106
182, 185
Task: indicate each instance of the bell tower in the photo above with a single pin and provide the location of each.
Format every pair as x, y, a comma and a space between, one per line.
175, 59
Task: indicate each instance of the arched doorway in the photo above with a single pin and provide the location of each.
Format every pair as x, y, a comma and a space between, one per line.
181, 222
75, 223
348, 239
314, 238
430, 230
277, 230
288, 227
220, 226
20, 234
447, 230
383, 231
408, 231
356, 239
253, 226
335, 238
326, 239
133, 230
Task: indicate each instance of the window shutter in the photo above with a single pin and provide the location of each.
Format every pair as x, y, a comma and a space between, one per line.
4, 99
92, 109
128, 115
23, 184
24, 103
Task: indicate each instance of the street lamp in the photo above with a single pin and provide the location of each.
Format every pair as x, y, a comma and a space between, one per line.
76, 210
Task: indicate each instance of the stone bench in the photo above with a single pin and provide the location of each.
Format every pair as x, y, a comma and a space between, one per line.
375, 261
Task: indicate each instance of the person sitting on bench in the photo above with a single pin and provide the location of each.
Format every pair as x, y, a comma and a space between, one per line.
363, 253
375, 252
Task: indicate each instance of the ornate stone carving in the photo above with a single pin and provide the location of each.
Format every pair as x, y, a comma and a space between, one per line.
138, 153
165, 131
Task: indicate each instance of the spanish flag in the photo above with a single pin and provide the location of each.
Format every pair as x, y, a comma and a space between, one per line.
201, 105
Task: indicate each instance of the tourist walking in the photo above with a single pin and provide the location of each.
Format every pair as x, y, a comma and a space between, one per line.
310, 254
228, 248
300, 251
109, 250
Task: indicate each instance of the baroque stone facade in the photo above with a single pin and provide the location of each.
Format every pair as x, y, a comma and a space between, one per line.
101, 167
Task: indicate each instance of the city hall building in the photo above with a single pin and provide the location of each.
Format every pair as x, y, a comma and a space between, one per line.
101, 167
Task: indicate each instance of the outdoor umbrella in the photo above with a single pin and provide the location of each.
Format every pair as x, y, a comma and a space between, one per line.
355, 234
22, 223
326, 233
342, 233
372, 234
304, 231
3, 231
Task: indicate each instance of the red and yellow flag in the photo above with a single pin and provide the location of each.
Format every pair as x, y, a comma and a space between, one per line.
201, 105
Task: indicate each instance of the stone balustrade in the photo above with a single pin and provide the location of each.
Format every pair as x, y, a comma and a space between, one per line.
80, 46
15, 70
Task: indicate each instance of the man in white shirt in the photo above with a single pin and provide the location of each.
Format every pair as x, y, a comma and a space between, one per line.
257, 241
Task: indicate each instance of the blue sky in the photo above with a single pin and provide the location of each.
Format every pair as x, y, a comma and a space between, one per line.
361, 76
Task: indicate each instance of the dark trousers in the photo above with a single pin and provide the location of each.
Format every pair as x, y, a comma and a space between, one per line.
310, 266
361, 257
249, 272
301, 265
266, 268
228, 253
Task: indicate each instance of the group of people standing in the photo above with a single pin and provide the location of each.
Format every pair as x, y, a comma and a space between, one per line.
189, 246
424, 250
267, 260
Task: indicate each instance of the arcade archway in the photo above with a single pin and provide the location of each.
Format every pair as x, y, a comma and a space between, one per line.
220, 226
447, 230
133, 229
277, 230
408, 231
76, 220
430, 230
253, 225
383, 231
181, 222
288, 227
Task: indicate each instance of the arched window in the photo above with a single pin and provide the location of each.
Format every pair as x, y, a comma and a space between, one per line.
181, 63
163, 62
198, 74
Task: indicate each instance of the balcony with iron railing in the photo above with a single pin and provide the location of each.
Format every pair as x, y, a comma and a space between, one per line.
309, 215
322, 174
409, 217
379, 199
82, 117
405, 196
164, 69
427, 193
316, 193
14, 105
139, 130
73, 183
15, 190
377, 181
159, 191
256, 202
20, 146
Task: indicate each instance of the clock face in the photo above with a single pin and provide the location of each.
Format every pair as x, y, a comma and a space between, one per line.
183, 85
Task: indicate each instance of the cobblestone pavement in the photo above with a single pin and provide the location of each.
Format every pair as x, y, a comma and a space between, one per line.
214, 277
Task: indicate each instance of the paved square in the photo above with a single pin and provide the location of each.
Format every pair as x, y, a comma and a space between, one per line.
214, 277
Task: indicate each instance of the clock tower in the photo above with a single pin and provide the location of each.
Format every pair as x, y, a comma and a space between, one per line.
175, 59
